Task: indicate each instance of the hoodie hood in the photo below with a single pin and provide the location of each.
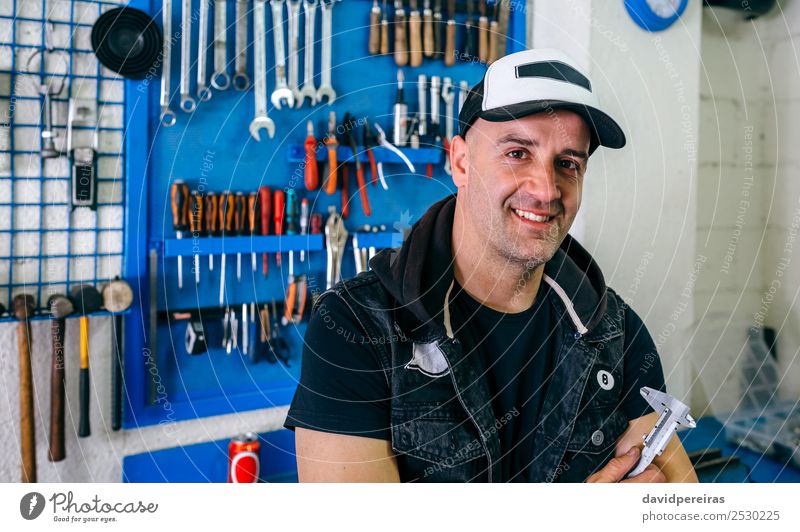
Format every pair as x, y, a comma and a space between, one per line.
419, 275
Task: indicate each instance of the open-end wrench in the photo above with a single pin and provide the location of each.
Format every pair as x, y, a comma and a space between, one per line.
261, 120
168, 117
203, 93
282, 92
294, 54
220, 79
671, 414
449, 99
308, 90
325, 89
241, 82
187, 102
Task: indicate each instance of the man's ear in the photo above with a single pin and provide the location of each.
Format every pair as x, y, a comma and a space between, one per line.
459, 160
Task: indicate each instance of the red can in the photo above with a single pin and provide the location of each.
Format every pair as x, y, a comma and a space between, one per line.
243, 463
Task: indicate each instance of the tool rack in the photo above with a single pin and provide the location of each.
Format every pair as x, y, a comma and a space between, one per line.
211, 149
45, 246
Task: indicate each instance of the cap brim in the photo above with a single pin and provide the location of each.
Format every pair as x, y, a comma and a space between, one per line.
605, 131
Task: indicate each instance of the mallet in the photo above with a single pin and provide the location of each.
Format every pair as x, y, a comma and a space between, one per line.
86, 300
60, 307
117, 298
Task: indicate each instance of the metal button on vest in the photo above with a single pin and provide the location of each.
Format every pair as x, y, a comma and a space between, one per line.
597, 437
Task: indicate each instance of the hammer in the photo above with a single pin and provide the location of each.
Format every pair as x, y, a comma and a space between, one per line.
60, 307
24, 305
86, 300
117, 298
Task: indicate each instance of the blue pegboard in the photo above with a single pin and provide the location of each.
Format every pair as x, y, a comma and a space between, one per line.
212, 149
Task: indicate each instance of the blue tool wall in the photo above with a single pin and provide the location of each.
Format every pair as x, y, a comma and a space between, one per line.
212, 149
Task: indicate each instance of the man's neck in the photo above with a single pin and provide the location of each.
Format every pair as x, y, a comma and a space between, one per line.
500, 284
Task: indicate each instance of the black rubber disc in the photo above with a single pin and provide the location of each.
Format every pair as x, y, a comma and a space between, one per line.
127, 41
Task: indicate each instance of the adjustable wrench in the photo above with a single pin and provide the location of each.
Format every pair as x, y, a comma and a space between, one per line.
282, 92
241, 82
187, 102
449, 98
261, 120
294, 55
673, 413
220, 80
308, 90
325, 89
168, 118
203, 93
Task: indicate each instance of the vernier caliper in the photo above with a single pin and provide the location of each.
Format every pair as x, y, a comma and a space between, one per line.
673, 413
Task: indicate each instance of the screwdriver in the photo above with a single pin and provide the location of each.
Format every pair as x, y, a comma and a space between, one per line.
279, 204
265, 201
291, 229
303, 224
362, 186
226, 208
252, 200
180, 211
312, 174
196, 227
212, 204
239, 220
331, 143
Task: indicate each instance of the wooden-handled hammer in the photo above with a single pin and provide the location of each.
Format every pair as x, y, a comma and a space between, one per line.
60, 307
24, 306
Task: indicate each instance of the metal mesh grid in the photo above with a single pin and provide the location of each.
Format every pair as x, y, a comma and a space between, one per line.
45, 246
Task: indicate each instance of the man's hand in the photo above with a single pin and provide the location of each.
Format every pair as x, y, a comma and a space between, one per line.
616, 469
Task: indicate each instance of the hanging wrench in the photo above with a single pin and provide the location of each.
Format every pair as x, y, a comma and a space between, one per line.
325, 89
168, 118
241, 82
294, 55
203, 93
449, 98
187, 102
220, 80
282, 92
308, 90
261, 120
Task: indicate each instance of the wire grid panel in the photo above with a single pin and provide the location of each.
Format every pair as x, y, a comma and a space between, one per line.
45, 245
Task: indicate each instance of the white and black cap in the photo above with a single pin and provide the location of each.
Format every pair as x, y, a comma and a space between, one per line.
535, 81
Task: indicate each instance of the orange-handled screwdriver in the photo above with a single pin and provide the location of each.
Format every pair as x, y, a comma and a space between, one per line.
311, 173
265, 201
196, 227
239, 220
331, 143
210, 212
279, 206
252, 200
179, 198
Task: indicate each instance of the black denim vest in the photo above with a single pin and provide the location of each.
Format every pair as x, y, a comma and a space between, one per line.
443, 426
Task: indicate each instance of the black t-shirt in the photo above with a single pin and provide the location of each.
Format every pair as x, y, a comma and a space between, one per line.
344, 390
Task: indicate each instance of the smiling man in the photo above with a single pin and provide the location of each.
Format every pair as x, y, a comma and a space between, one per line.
488, 347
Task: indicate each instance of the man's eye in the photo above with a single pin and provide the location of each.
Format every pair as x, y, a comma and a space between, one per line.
569, 164
516, 154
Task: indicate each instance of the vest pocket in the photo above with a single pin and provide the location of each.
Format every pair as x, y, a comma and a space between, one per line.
435, 432
592, 443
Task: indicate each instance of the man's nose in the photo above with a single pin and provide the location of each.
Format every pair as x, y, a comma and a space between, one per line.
542, 182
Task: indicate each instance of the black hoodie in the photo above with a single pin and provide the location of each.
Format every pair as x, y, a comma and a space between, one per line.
419, 275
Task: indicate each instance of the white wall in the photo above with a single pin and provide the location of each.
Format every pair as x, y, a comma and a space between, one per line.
638, 216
